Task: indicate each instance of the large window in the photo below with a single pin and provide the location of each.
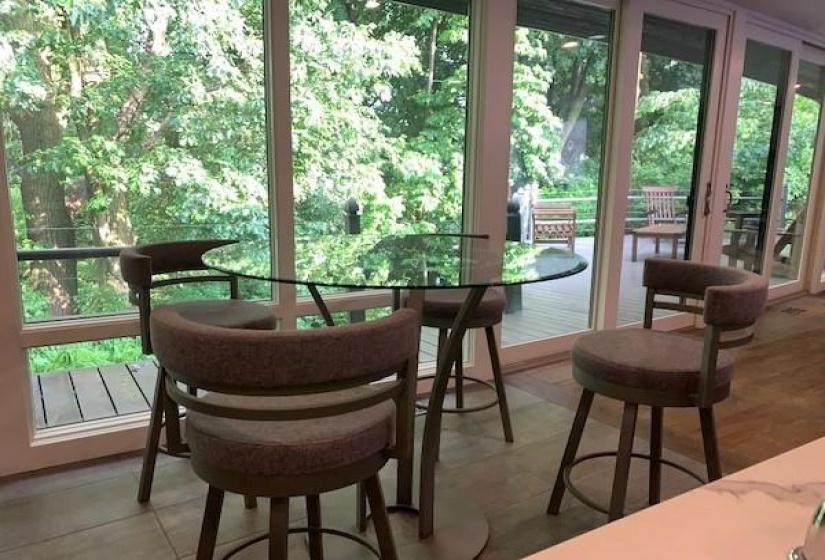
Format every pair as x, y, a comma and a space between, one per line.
673, 91
560, 81
379, 98
382, 85
761, 100
127, 123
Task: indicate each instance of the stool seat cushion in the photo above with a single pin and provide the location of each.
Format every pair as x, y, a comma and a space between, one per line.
646, 359
297, 447
228, 313
441, 307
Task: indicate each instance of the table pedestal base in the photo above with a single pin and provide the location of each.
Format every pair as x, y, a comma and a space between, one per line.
461, 530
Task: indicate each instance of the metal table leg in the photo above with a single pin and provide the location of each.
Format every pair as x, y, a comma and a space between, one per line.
432, 425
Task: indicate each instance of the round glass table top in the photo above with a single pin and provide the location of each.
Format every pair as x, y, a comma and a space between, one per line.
416, 261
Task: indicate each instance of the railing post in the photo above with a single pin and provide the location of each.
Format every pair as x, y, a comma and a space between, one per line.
513, 293
352, 216
352, 225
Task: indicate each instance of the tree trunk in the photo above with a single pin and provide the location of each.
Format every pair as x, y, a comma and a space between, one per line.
577, 93
432, 48
48, 222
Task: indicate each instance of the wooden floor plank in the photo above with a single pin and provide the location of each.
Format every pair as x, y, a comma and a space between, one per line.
125, 393
59, 402
94, 399
37, 402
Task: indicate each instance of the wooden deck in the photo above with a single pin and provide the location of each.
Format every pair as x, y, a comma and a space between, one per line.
548, 309
82, 395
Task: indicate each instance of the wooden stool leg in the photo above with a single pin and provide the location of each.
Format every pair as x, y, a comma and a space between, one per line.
635, 250
211, 521
622, 472
573, 440
657, 242
711, 446
250, 502
498, 378
316, 544
150, 454
654, 494
383, 532
278, 528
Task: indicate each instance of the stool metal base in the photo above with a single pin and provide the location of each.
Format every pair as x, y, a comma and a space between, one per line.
461, 530
293, 530
568, 483
456, 410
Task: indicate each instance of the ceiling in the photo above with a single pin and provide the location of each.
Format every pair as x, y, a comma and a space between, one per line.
806, 14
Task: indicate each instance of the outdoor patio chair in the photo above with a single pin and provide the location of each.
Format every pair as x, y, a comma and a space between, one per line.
663, 369
787, 247
147, 268
660, 206
663, 222
554, 222
281, 414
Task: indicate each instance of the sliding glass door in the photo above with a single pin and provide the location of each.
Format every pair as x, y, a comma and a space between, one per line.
673, 141
559, 114
749, 233
790, 242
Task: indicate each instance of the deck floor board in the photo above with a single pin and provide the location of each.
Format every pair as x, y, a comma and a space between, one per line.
59, 403
92, 395
146, 376
125, 392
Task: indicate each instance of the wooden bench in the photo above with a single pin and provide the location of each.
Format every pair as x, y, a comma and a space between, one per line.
674, 232
554, 222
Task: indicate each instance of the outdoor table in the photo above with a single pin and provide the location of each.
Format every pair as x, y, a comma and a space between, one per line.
415, 262
674, 232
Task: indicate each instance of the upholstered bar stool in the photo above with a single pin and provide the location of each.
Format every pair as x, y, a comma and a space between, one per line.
439, 311
146, 268
295, 413
663, 369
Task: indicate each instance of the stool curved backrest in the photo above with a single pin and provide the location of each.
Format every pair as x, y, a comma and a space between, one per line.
273, 363
728, 299
142, 264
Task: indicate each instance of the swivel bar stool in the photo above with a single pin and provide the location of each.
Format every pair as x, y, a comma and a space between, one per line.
289, 414
145, 269
663, 369
439, 311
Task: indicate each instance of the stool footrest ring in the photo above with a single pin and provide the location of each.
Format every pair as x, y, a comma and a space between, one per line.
292, 530
587, 501
454, 410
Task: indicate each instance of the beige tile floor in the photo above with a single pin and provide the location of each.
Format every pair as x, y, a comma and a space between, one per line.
89, 512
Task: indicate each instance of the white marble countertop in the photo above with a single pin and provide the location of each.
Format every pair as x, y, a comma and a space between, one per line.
758, 513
